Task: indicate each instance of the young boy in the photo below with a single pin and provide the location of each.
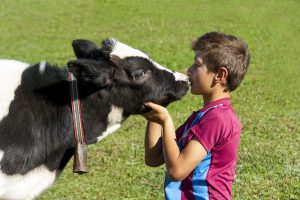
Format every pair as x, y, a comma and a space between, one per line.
200, 156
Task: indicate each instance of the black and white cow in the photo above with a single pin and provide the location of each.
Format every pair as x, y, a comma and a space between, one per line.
36, 130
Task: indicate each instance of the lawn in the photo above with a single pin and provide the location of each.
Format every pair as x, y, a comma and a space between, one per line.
267, 102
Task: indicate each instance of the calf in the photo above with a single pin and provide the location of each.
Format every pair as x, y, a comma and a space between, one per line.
36, 129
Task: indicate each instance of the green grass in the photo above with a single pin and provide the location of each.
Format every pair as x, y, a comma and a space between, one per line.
267, 101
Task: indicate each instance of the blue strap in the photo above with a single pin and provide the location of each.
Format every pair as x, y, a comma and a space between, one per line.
197, 118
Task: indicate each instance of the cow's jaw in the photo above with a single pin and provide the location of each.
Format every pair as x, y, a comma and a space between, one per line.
115, 118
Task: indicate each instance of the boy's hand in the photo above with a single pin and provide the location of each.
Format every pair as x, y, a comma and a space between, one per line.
158, 114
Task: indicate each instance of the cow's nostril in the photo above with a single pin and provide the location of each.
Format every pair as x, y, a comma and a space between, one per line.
187, 81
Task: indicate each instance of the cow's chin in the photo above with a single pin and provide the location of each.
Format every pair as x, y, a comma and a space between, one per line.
183, 87
164, 103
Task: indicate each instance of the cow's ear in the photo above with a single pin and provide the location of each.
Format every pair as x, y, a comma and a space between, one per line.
84, 49
90, 72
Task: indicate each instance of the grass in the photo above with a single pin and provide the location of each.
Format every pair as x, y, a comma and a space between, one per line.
267, 101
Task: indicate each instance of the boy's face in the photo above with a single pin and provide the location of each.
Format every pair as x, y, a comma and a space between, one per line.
201, 79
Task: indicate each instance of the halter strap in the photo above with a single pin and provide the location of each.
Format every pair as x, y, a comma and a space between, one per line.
76, 110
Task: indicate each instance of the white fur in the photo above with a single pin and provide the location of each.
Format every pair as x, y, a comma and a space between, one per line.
42, 66
109, 131
181, 77
1, 155
178, 76
26, 186
10, 78
115, 117
122, 51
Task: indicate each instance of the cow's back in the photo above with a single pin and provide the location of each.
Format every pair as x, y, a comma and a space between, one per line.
10, 78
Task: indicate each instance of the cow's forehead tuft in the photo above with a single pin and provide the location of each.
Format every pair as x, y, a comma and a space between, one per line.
111, 42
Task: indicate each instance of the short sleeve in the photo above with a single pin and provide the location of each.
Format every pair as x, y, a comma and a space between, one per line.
209, 131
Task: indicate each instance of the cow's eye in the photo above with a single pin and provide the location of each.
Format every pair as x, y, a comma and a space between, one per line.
138, 75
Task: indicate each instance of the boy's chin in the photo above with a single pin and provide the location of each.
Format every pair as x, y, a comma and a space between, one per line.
195, 92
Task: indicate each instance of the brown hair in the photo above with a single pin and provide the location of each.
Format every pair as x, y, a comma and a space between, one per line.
221, 50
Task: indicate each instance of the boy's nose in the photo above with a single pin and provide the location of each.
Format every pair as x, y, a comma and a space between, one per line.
188, 72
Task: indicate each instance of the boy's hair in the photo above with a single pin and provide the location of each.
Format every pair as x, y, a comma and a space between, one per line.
221, 50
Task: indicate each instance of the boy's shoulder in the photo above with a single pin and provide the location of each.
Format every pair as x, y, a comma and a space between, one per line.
220, 112
215, 126
218, 106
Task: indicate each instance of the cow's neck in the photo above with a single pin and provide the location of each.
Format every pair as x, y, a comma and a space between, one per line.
126, 98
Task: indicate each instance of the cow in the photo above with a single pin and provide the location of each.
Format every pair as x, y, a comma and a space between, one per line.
36, 127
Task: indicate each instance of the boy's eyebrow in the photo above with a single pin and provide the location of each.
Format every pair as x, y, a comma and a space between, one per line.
197, 60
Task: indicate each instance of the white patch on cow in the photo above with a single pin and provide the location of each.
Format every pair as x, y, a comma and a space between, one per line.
122, 51
42, 66
178, 76
158, 66
26, 186
1, 155
181, 77
109, 131
10, 78
115, 117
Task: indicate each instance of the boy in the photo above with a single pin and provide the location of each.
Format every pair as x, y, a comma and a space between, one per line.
200, 157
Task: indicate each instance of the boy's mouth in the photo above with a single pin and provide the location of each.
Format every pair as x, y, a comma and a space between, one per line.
190, 82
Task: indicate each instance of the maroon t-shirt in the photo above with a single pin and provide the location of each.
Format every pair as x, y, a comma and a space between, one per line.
218, 130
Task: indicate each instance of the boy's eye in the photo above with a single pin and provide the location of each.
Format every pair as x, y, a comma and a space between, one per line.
195, 65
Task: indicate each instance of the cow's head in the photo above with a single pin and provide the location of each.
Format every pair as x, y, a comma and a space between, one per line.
132, 77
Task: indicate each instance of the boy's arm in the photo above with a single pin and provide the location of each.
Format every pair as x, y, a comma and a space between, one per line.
153, 145
179, 164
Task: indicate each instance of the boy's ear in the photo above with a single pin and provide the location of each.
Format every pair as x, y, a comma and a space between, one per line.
84, 49
88, 72
222, 75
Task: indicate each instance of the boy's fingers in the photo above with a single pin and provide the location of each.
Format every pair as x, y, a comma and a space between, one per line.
148, 104
151, 105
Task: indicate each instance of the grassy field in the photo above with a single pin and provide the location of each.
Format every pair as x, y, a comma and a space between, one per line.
267, 102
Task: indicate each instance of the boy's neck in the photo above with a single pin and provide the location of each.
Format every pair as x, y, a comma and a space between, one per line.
214, 97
